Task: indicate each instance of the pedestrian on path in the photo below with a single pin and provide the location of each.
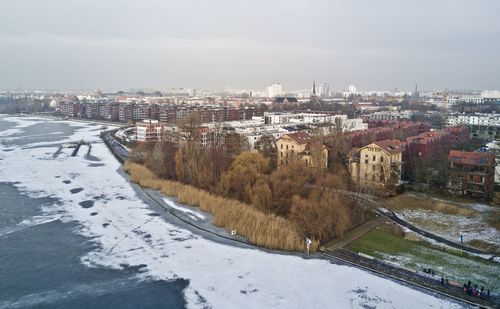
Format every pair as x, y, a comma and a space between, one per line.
308, 245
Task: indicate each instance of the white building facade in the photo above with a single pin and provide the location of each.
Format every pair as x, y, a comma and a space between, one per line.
474, 119
275, 90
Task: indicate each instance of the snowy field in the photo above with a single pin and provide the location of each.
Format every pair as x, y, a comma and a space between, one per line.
452, 226
127, 232
457, 268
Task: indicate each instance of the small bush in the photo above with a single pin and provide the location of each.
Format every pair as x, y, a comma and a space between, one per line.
401, 189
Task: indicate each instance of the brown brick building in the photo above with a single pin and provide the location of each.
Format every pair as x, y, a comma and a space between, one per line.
471, 174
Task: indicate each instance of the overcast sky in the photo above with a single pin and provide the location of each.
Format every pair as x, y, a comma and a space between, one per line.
373, 44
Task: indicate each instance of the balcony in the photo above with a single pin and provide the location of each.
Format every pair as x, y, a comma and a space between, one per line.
474, 191
475, 183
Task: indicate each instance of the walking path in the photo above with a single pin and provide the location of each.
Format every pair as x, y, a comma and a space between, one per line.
393, 217
422, 281
356, 233
120, 153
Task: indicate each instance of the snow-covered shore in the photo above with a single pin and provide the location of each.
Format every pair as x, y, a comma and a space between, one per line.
129, 232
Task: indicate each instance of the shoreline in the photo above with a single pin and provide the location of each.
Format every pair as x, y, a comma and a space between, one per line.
159, 209
205, 228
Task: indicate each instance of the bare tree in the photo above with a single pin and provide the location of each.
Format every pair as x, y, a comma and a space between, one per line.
267, 146
317, 152
188, 128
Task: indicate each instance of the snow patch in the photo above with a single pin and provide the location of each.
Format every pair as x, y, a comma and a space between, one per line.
452, 226
193, 214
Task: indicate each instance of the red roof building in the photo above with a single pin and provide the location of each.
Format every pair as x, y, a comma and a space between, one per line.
426, 145
390, 130
300, 137
471, 174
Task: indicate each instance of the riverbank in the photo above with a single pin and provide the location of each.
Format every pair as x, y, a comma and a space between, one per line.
261, 229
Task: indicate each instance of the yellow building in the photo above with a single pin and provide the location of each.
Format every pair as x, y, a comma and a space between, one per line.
377, 164
299, 146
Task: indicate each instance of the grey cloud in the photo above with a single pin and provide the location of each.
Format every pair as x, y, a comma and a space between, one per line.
211, 44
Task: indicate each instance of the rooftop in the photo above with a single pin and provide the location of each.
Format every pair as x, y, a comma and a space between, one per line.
427, 137
391, 145
472, 158
299, 137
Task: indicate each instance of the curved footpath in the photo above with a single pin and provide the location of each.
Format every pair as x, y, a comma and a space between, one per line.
394, 218
195, 220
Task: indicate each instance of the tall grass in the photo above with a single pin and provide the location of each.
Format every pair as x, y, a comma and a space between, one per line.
262, 229
412, 202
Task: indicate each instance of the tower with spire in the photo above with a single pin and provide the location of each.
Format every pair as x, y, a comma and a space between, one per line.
314, 88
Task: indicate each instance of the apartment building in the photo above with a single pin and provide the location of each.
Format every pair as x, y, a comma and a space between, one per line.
305, 118
481, 126
378, 164
391, 115
206, 114
149, 131
299, 146
382, 130
474, 119
70, 109
471, 174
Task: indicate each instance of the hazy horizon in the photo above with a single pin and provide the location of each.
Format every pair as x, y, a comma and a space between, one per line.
375, 45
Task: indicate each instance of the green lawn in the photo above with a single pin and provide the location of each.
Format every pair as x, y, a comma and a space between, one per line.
449, 263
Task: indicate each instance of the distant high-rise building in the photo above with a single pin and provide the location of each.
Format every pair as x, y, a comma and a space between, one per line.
275, 90
352, 89
314, 89
489, 95
324, 90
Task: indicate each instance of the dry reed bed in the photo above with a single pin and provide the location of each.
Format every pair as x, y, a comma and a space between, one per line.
266, 230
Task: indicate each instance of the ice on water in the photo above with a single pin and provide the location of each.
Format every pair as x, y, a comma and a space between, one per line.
219, 275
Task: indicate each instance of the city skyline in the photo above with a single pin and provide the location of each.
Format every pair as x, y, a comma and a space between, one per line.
379, 45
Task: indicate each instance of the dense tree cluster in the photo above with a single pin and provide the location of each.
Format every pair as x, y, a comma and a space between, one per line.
310, 198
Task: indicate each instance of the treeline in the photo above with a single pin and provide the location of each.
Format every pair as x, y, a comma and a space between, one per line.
25, 105
310, 199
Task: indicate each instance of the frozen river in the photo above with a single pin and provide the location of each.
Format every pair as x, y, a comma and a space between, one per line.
75, 234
